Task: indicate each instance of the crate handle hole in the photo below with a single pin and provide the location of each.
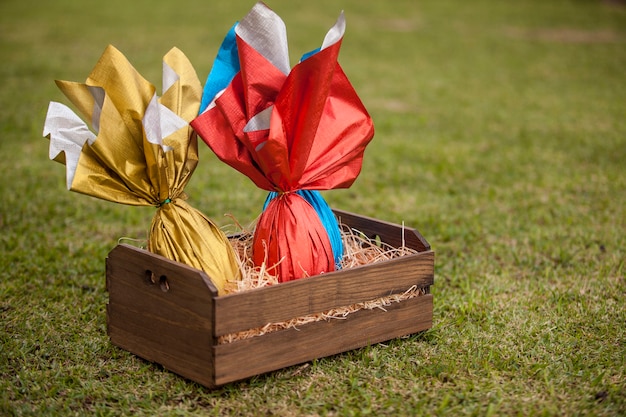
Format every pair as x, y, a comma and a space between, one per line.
150, 277
165, 286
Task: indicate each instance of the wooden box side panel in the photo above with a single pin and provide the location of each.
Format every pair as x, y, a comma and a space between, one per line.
390, 233
256, 308
245, 358
168, 321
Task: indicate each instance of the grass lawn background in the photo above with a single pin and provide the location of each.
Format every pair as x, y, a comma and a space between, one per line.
500, 135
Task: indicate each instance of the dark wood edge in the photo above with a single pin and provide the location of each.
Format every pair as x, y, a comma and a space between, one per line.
314, 296
245, 358
123, 265
124, 247
372, 227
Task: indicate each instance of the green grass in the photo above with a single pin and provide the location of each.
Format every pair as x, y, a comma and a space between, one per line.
500, 135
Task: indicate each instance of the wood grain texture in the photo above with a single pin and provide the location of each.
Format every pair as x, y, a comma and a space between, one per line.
187, 355
255, 308
393, 234
173, 328
170, 313
273, 351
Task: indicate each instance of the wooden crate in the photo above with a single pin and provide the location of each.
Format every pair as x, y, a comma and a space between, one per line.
169, 313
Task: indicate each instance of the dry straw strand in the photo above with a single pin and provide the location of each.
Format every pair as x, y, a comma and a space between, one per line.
359, 250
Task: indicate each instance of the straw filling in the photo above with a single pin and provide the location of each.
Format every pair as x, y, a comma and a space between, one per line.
359, 250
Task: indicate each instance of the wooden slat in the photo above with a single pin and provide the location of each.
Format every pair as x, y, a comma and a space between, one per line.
188, 355
138, 260
390, 233
255, 308
242, 359
178, 328
173, 327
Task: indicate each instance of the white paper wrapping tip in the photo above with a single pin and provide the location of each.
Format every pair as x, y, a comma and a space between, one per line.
159, 122
68, 134
170, 77
335, 34
260, 121
265, 31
